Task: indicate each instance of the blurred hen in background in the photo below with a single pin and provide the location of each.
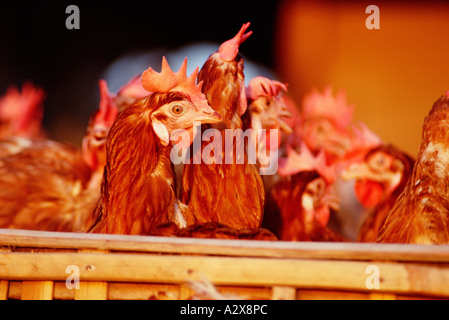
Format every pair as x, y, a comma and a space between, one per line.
50, 185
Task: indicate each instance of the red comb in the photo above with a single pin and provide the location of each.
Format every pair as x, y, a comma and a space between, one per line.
167, 80
33, 99
262, 86
162, 81
326, 105
447, 94
22, 108
305, 161
229, 49
108, 110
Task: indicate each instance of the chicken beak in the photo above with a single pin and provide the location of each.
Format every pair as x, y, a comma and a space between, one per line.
209, 115
284, 127
355, 171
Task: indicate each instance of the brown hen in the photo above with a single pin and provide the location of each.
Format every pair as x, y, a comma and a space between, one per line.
47, 185
421, 213
380, 179
303, 201
227, 193
303, 198
138, 188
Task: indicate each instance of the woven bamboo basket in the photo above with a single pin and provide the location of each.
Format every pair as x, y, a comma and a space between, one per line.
36, 265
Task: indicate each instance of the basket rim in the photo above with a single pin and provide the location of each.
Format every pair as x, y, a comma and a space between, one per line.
10, 238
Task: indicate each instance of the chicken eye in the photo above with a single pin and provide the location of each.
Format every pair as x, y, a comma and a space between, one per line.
320, 186
98, 137
177, 109
316, 187
379, 161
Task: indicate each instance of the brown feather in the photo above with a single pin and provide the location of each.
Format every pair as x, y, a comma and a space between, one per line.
292, 224
213, 230
231, 194
46, 186
421, 213
222, 81
138, 183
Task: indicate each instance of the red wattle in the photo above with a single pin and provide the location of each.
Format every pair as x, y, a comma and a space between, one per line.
323, 215
369, 192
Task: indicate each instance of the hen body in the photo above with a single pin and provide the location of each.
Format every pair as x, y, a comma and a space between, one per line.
41, 187
421, 213
138, 187
230, 194
138, 183
47, 185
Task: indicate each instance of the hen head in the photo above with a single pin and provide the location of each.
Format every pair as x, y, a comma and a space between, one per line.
324, 122
178, 103
377, 177
94, 142
223, 78
317, 191
176, 115
317, 200
304, 200
266, 106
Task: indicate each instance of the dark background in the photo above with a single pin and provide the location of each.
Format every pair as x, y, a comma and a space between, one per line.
35, 45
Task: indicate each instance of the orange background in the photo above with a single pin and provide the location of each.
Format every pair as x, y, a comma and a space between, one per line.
392, 75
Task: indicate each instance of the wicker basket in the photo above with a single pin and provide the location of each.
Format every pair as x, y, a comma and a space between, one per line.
39, 265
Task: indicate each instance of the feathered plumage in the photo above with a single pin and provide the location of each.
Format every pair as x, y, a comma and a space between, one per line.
228, 193
138, 188
421, 213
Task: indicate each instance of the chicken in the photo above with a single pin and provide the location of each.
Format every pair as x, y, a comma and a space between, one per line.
351, 215
21, 112
304, 198
266, 108
39, 184
380, 179
47, 185
223, 78
265, 114
138, 187
421, 212
227, 193
324, 124
94, 141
